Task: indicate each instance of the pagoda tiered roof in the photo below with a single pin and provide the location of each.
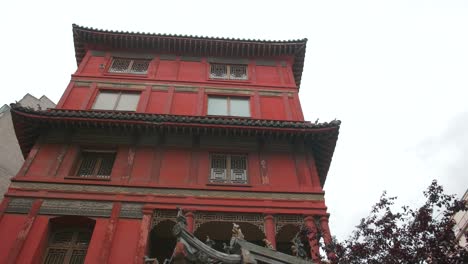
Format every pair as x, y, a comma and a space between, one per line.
322, 137
85, 37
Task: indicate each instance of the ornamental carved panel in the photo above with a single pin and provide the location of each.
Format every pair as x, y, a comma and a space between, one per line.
233, 217
76, 207
163, 215
131, 210
282, 220
20, 205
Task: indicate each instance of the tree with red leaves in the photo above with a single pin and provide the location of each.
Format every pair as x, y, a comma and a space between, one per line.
422, 235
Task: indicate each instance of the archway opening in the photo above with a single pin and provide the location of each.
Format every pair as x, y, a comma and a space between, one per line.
161, 241
69, 239
221, 232
284, 237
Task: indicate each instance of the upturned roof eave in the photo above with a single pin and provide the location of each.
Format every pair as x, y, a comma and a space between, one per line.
191, 45
28, 124
166, 119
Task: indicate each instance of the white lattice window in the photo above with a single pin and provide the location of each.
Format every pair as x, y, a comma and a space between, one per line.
228, 168
229, 106
133, 66
228, 71
116, 100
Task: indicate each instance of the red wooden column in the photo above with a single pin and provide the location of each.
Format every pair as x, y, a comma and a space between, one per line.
65, 95
31, 156
269, 222
313, 172
143, 238
327, 237
190, 222
313, 238
23, 233
4, 206
110, 231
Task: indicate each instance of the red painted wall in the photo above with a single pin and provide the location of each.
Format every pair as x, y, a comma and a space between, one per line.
167, 70
120, 170
176, 71
95, 247
188, 103
192, 71
76, 98
92, 66
141, 169
137, 165
157, 102
36, 242
180, 166
127, 230
184, 103
175, 167
282, 170
267, 75
272, 107
44, 160
10, 225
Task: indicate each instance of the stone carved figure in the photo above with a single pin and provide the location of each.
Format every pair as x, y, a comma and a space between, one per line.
226, 248
181, 217
268, 244
264, 172
209, 242
298, 247
148, 260
236, 231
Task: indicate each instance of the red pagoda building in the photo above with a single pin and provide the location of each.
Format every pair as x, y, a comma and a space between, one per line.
153, 122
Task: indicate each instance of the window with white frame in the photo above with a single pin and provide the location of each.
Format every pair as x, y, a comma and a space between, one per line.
116, 100
228, 71
228, 168
229, 106
133, 66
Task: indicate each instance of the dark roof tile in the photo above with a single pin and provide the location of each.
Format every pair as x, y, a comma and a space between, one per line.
178, 45
28, 123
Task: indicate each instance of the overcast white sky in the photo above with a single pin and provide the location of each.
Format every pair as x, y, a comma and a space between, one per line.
395, 73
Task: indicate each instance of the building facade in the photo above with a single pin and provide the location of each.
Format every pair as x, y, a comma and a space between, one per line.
461, 224
152, 122
11, 158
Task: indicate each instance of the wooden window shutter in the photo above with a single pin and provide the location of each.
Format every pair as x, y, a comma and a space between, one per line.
228, 71
97, 165
238, 169
134, 66
227, 168
68, 246
218, 168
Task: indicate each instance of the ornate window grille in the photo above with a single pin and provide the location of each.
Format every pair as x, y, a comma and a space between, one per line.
228, 169
96, 165
133, 66
68, 246
228, 72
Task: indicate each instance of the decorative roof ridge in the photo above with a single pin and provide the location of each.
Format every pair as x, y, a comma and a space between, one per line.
190, 45
323, 136
78, 27
125, 115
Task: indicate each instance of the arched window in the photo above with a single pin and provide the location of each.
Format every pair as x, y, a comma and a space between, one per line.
69, 240
162, 241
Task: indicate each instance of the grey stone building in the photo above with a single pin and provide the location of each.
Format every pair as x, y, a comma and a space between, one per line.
11, 158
